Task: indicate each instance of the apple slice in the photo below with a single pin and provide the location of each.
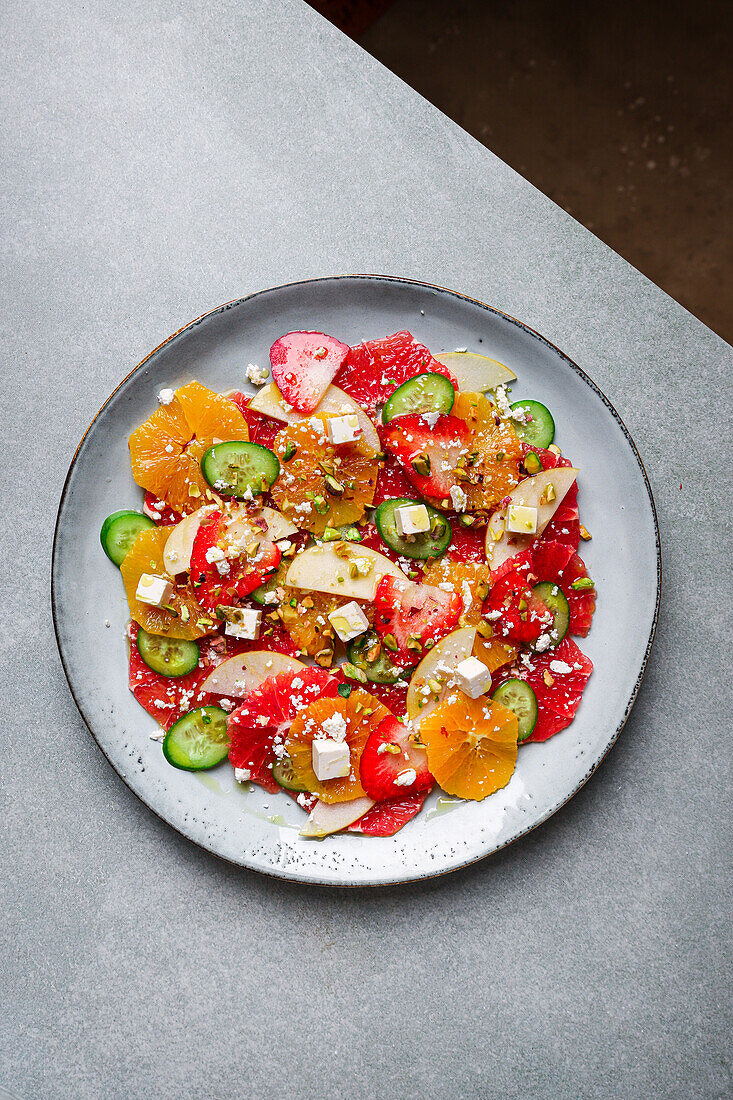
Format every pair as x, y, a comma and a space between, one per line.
177, 552
303, 364
321, 569
475, 373
270, 402
436, 665
278, 527
241, 674
502, 544
326, 818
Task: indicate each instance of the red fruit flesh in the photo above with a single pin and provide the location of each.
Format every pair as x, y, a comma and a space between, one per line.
160, 512
467, 543
392, 764
303, 366
210, 586
410, 439
558, 562
558, 701
262, 429
387, 818
392, 482
410, 611
523, 615
374, 369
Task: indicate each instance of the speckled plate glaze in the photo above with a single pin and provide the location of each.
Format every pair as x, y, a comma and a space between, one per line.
258, 830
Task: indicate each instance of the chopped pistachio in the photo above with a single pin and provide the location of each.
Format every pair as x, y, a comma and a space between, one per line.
320, 504
585, 533
351, 672
290, 451
581, 584
548, 678
390, 642
485, 629
421, 465
387, 746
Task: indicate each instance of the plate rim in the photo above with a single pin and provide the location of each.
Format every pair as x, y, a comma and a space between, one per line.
403, 280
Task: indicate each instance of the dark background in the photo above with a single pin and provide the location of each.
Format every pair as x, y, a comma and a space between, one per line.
621, 113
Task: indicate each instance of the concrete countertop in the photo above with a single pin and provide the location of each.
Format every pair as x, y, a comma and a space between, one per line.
158, 159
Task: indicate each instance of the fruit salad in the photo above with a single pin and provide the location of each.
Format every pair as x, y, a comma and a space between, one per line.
357, 585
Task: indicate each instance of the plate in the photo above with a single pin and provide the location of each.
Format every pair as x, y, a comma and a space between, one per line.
260, 831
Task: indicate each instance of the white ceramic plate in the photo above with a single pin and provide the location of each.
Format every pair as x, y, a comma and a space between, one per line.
258, 830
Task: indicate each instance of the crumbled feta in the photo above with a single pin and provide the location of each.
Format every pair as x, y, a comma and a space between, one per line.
214, 554
458, 497
348, 621
166, 396
331, 759
412, 519
343, 429
543, 642
242, 775
405, 778
335, 727
154, 591
257, 375
157, 735
560, 666
431, 418
473, 677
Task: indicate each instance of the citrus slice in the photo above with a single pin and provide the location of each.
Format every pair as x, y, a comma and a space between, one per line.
469, 579
471, 745
321, 485
305, 617
183, 617
362, 713
492, 467
166, 450
493, 653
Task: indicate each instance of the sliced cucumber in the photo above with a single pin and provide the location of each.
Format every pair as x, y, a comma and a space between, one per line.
119, 531
518, 697
282, 773
238, 469
554, 600
431, 544
260, 594
198, 740
167, 656
539, 427
380, 670
430, 392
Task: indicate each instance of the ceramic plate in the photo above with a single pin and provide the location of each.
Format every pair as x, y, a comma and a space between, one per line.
258, 830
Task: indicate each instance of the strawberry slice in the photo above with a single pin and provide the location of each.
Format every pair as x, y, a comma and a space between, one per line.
413, 617
240, 576
392, 764
160, 512
558, 678
374, 369
303, 366
522, 615
428, 455
387, 818
257, 728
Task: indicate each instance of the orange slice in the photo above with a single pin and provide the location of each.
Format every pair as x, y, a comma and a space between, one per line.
305, 617
471, 745
321, 485
188, 619
362, 713
495, 471
493, 653
167, 448
470, 579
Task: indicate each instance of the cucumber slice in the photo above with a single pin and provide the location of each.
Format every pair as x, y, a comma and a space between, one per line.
379, 671
282, 773
167, 656
539, 429
429, 392
260, 593
198, 740
431, 544
554, 600
119, 531
518, 697
238, 469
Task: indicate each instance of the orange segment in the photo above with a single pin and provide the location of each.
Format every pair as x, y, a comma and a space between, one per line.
496, 469
146, 556
362, 713
166, 450
471, 745
470, 579
322, 485
493, 653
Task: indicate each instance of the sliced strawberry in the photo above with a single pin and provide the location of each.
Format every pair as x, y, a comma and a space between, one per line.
391, 763
415, 615
387, 818
522, 615
374, 369
241, 576
558, 678
257, 728
160, 512
436, 450
303, 366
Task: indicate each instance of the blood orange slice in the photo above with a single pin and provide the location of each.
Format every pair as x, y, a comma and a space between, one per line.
471, 745
558, 679
469, 579
373, 370
387, 818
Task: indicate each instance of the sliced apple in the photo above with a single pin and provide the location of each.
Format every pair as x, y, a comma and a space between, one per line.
475, 373
270, 402
278, 527
326, 818
177, 552
241, 674
321, 569
502, 544
437, 665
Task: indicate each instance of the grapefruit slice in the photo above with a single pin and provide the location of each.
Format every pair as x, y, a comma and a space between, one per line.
558, 679
373, 370
387, 818
471, 745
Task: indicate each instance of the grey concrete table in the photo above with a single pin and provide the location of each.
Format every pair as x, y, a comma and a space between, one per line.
160, 158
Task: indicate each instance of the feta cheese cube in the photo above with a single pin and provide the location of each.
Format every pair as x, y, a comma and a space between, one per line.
343, 429
152, 590
412, 519
522, 519
242, 622
473, 677
349, 621
331, 759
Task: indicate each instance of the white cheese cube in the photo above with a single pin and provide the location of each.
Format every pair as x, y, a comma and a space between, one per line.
343, 429
348, 621
152, 590
242, 622
522, 519
412, 519
331, 759
473, 677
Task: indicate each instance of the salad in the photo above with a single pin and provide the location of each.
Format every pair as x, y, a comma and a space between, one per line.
357, 585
